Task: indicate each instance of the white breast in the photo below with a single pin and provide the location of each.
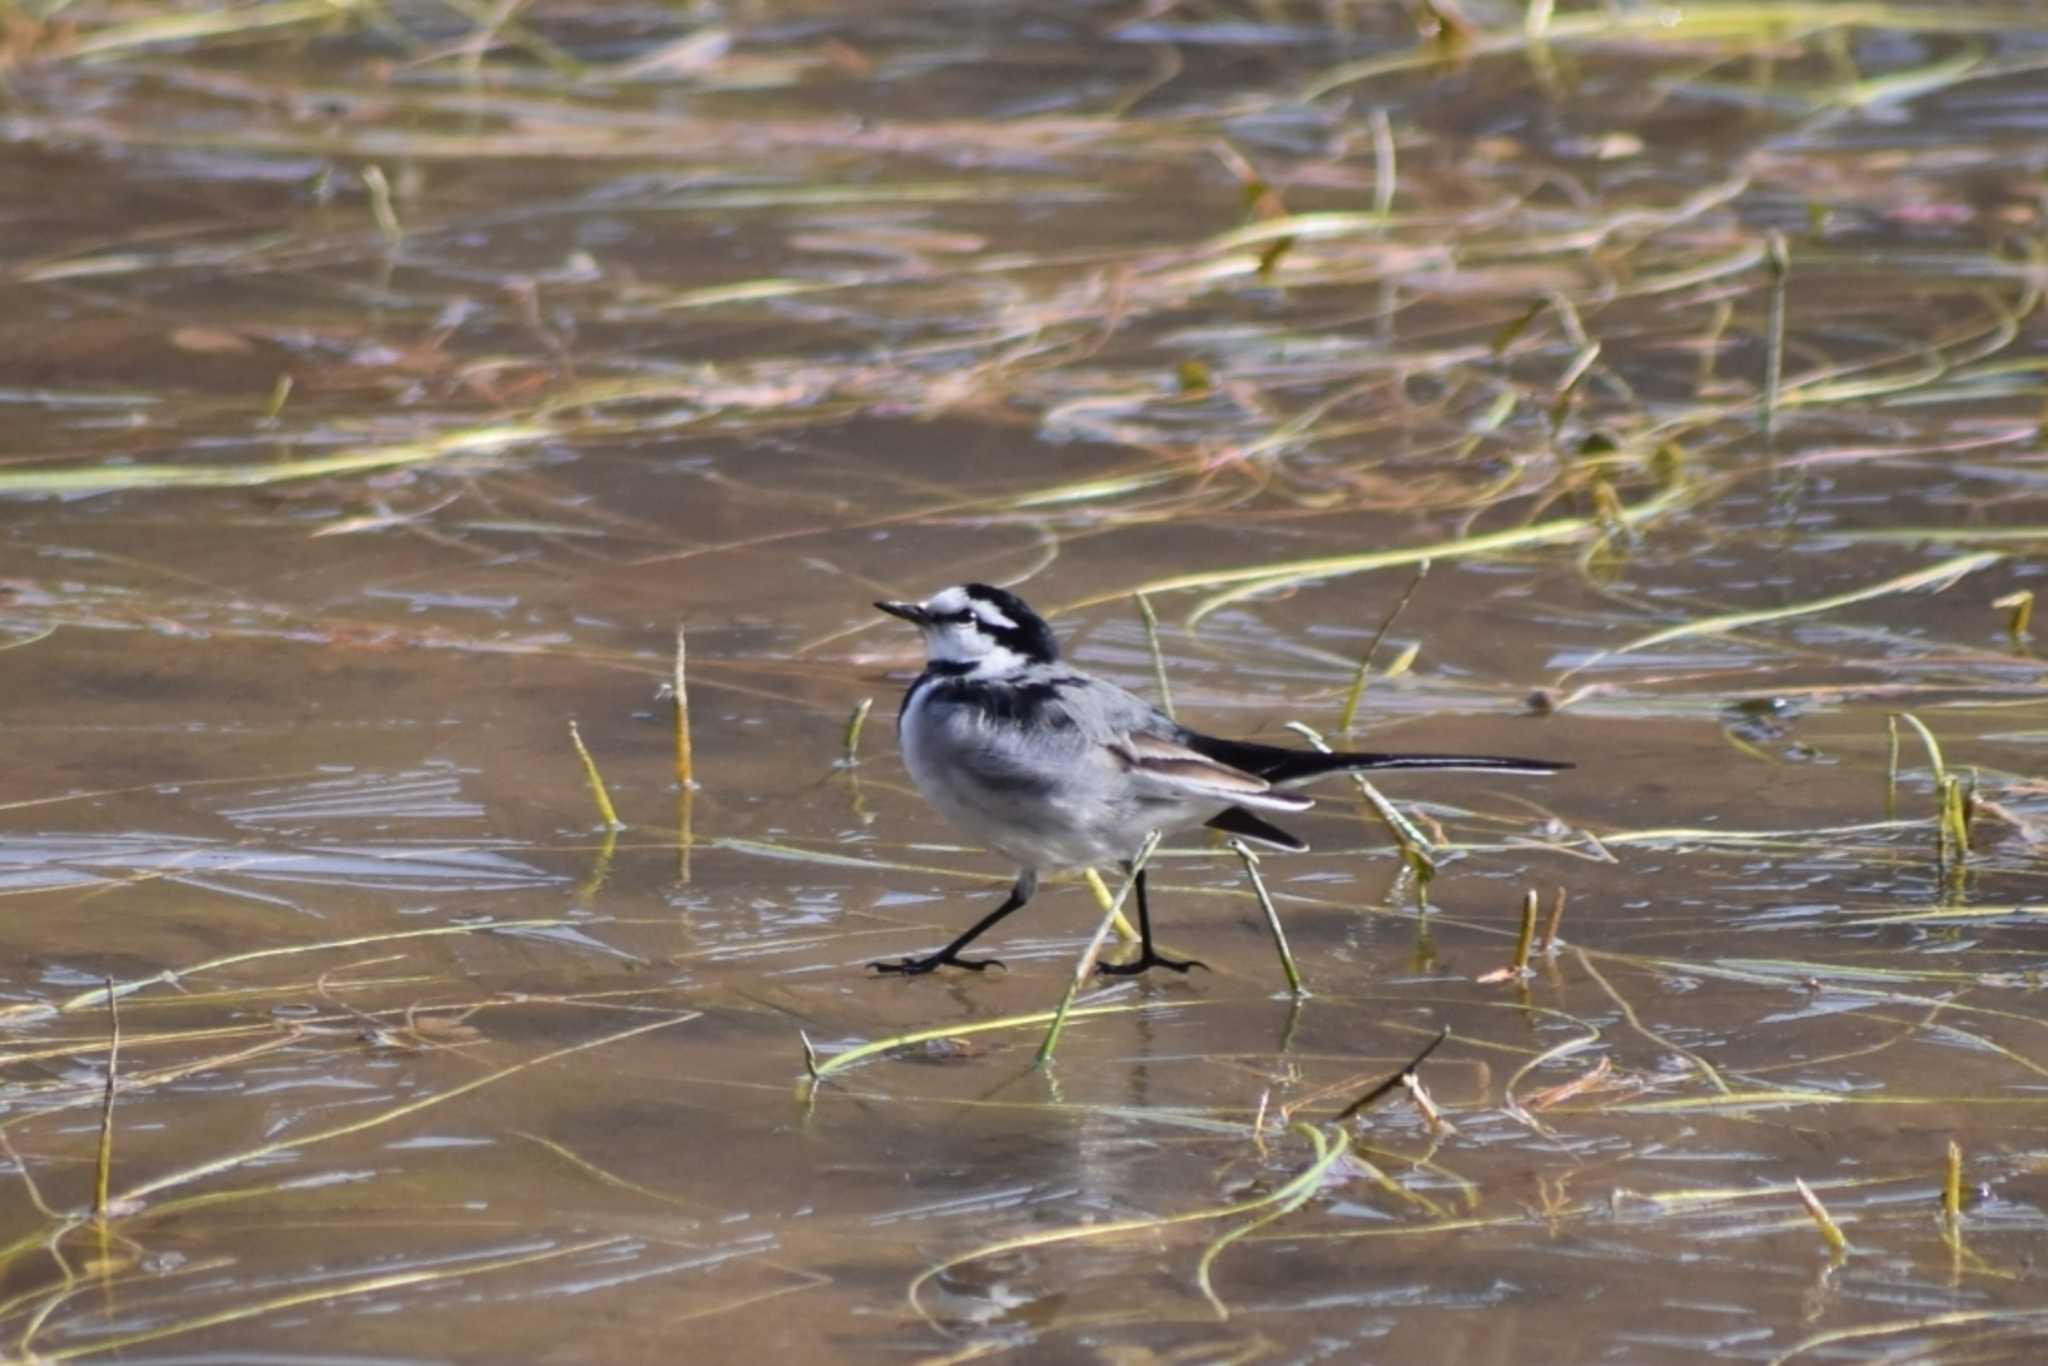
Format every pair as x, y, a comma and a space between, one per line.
1057, 798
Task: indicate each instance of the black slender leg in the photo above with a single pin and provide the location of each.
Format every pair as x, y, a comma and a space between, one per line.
1147, 957
1027, 883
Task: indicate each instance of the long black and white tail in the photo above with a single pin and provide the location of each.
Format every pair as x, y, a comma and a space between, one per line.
1281, 766
1243, 824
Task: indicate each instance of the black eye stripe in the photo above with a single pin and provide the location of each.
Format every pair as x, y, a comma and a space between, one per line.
1010, 623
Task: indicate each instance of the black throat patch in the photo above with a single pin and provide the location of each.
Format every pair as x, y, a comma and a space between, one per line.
938, 671
1030, 704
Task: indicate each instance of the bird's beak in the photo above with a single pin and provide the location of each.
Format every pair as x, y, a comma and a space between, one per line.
911, 612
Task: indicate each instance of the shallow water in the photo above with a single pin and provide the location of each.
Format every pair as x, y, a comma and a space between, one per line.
739, 333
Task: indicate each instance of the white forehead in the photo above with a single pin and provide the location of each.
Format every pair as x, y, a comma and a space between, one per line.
957, 599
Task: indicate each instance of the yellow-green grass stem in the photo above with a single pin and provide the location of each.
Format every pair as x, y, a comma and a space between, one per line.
1151, 620
607, 814
679, 694
103, 1167
1089, 955
854, 725
1351, 700
1251, 871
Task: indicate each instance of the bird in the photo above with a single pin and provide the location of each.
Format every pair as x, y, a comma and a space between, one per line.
1055, 768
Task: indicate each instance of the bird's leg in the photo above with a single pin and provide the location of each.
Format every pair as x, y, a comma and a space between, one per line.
1147, 956
1027, 883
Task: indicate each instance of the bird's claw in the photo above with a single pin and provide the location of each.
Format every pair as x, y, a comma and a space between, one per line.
916, 967
1149, 960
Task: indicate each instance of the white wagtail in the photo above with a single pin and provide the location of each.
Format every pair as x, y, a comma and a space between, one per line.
1059, 770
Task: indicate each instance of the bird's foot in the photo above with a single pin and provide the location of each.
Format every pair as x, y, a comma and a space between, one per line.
1146, 960
915, 967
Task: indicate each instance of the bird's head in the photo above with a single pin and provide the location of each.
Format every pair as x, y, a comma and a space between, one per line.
979, 626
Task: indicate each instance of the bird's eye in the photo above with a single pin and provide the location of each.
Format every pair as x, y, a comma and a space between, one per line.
965, 616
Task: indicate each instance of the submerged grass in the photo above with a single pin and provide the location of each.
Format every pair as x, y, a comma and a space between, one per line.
1327, 1149
323, 1294
125, 1217
1933, 578
476, 442
142, 1190
1250, 580
859, 1053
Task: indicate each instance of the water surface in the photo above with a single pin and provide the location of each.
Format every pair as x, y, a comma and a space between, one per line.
385, 390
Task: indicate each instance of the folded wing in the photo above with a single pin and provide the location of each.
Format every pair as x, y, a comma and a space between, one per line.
1165, 769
